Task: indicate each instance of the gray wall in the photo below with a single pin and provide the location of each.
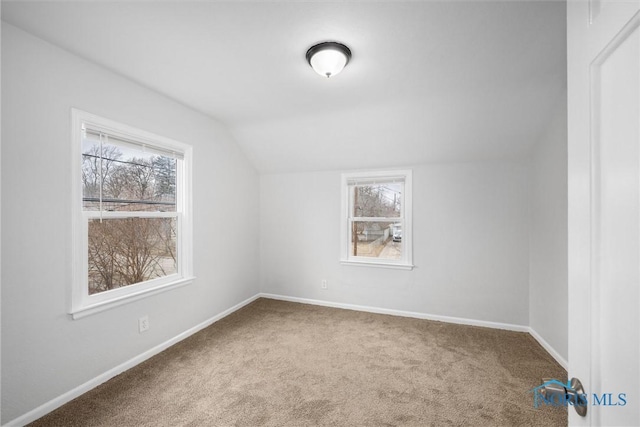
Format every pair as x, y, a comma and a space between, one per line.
489, 238
471, 252
44, 352
548, 297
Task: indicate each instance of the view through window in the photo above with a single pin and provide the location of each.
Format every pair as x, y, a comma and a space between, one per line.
132, 217
377, 225
122, 178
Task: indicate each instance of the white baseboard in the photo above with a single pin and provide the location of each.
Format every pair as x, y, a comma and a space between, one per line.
53, 404
549, 349
401, 313
447, 319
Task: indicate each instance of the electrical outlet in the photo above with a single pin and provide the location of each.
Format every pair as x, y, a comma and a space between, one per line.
143, 324
323, 285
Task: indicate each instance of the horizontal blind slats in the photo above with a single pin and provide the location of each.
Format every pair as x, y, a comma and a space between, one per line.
138, 145
352, 182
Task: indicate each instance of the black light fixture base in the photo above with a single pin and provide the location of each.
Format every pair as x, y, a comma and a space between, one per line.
328, 45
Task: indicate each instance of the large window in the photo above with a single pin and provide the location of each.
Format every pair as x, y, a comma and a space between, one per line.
376, 219
131, 207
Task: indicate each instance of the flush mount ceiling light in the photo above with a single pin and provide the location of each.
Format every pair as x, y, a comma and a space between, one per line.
328, 58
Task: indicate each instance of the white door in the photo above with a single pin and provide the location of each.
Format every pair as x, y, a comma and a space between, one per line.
604, 208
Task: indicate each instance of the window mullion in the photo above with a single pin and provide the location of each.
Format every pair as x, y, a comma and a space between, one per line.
376, 218
101, 174
377, 240
111, 175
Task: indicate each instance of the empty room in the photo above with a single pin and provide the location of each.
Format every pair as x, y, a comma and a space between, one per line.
320, 213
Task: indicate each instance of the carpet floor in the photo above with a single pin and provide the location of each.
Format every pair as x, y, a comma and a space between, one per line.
276, 363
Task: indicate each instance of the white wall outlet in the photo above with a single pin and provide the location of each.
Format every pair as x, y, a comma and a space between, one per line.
323, 285
143, 324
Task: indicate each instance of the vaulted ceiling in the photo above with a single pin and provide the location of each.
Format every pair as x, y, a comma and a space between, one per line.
429, 81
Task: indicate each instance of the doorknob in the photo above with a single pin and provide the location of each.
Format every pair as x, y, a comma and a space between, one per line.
571, 393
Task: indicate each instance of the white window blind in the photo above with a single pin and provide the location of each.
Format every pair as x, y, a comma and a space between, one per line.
353, 182
114, 139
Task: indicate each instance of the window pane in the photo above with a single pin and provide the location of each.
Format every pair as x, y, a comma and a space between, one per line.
126, 251
377, 200
132, 179
382, 240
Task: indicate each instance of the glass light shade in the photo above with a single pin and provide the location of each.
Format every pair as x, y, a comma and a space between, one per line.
328, 62
328, 58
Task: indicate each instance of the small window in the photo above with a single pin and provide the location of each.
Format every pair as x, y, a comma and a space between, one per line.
131, 210
376, 220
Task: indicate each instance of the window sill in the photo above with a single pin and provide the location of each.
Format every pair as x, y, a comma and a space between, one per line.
378, 264
91, 309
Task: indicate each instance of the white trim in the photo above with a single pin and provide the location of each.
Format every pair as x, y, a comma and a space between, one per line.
83, 304
406, 219
448, 319
124, 131
129, 297
552, 351
378, 264
401, 313
55, 403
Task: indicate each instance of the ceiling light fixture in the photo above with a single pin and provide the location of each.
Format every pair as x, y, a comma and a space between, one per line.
328, 58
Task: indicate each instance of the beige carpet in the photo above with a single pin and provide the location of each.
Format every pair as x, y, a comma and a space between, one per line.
277, 363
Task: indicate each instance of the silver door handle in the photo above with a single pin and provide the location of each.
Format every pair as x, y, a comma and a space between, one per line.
573, 395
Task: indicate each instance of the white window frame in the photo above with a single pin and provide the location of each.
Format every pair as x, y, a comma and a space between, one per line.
83, 304
406, 262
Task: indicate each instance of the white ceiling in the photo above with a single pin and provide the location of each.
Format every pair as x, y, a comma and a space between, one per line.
428, 82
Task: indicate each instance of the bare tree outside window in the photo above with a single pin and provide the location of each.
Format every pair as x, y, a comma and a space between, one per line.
372, 238
126, 251
97, 167
376, 224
